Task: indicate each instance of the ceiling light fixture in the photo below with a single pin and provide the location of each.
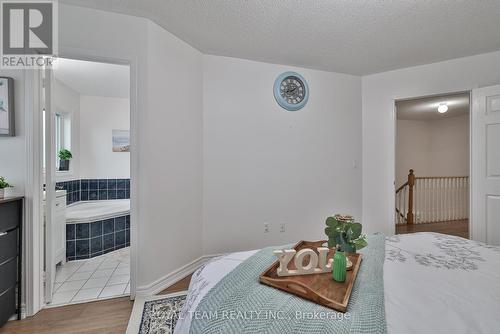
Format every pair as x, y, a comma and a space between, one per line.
443, 107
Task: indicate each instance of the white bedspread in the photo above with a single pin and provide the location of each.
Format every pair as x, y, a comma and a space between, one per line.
433, 282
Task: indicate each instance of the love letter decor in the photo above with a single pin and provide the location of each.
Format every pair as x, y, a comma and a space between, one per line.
318, 264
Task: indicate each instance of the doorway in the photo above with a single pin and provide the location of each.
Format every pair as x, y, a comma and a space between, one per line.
432, 187
86, 168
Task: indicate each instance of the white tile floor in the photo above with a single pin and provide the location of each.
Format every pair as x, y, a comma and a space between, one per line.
102, 277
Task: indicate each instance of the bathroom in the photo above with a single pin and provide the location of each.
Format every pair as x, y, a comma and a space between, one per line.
87, 150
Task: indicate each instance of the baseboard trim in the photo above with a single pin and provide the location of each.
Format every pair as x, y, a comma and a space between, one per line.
173, 277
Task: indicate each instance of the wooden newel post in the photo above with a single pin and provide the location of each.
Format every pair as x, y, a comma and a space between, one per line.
411, 183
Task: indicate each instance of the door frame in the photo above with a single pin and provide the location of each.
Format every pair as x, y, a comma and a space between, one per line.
34, 246
393, 148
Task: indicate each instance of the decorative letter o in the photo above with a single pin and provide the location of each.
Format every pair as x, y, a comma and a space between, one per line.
299, 258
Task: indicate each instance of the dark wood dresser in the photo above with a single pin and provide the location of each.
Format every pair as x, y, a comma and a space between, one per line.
11, 222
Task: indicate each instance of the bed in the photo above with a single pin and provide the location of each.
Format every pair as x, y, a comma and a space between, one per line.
431, 282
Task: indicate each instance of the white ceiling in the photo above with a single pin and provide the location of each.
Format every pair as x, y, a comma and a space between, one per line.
91, 78
425, 109
357, 37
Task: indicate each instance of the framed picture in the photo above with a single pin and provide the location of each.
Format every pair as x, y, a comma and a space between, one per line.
121, 140
7, 106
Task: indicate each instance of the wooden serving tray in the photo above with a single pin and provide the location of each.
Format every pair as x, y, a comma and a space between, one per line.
318, 288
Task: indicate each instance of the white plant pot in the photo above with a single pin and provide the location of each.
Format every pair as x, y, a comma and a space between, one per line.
2, 193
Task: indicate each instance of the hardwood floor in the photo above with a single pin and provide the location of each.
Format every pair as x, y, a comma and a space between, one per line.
100, 317
181, 285
456, 227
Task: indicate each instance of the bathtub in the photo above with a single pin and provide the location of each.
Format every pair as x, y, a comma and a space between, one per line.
94, 228
84, 212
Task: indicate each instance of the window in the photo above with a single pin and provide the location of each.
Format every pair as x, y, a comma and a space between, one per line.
62, 134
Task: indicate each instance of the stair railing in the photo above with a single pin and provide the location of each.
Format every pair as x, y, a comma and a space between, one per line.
432, 199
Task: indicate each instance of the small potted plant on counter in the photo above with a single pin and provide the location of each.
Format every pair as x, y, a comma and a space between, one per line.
3, 184
64, 158
342, 230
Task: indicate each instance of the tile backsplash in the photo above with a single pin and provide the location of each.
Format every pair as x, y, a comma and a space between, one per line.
95, 189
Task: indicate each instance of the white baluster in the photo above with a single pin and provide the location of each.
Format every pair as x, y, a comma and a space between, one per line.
430, 201
466, 198
438, 204
450, 199
403, 194
458, 200
440, 199
437, 201
418, 203
453, 199
415, 201
464, 215
443, 199
446, 199
442, 189
426, 200
462, 198
431, 208
434, 200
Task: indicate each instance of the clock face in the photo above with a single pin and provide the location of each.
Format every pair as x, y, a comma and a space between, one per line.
291, 91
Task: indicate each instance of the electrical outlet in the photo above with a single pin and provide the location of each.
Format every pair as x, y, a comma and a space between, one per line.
266, 228
282, 227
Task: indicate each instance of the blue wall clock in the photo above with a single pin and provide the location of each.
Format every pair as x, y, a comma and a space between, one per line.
291, 91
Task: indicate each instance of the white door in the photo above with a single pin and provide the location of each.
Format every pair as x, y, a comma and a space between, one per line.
50, 192
485, 143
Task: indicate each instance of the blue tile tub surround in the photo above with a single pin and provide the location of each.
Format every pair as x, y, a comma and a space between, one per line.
86, 240
104, 189
72, 190
95, 189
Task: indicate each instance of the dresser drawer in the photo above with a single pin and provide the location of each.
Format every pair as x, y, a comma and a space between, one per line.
8, 245
8, 275
8, 304
10, 215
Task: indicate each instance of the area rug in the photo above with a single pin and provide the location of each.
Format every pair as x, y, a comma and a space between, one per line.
156, 314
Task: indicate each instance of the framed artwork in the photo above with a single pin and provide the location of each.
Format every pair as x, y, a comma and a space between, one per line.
121, 140
7, 106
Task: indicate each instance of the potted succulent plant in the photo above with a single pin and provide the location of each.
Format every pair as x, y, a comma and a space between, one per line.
3, 184
342, 230
64, 158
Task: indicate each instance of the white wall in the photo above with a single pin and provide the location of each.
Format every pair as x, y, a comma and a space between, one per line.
449, 151
432, 148
13, 149
379, 92
166, 83
170, 156
99, 116
266, 165
412, 149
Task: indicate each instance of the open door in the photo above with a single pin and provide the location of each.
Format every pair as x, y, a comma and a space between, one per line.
485, 140
49, 203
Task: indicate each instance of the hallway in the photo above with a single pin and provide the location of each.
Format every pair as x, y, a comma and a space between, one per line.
458, 228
